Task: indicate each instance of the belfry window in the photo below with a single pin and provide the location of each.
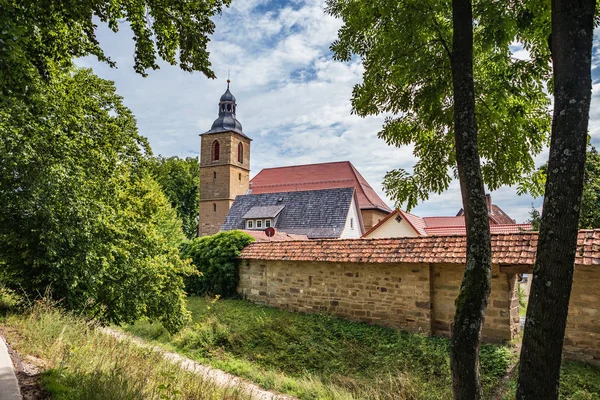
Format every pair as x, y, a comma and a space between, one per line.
240, 153
216, 151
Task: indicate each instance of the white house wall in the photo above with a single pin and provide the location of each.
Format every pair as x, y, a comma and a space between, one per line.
392, 228
354, 231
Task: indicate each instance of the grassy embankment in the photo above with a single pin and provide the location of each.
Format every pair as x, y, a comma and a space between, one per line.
82, 363
318, 356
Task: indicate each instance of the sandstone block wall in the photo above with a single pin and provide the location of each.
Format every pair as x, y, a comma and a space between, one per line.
582, 336
412, 297
372, 217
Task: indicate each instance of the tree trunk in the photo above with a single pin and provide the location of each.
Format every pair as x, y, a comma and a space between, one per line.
571, 45
475, 289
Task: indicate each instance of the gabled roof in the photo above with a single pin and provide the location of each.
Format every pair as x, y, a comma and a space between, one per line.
314, 213
443, 226
507, 249
317, 176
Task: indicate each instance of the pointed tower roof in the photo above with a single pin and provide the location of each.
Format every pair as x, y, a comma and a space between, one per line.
227, 121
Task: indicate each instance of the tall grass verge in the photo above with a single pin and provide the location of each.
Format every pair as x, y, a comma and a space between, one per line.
83, 363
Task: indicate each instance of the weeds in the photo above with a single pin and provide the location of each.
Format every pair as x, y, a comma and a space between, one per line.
86, 364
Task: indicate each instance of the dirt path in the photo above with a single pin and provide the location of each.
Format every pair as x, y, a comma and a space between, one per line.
217, 376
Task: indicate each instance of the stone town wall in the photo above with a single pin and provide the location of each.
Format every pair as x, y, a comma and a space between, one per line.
413, 297
582, 336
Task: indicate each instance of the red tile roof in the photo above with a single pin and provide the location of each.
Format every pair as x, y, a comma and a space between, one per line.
317, 176
436, 222
460, 230
510, 248
259, 236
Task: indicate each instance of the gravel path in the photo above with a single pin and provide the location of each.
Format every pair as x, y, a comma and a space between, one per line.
217, 376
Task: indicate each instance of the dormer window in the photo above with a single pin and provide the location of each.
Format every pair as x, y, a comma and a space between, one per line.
267, 223
249, 224
259, 224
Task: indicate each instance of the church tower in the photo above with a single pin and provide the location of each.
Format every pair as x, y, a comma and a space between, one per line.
224, 166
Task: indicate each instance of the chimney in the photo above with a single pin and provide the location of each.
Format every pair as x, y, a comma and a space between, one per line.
488, 200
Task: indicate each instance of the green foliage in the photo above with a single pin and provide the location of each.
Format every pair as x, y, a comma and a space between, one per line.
589, 217
405, 48
319, 356
179, 180
215, 257
36, 35
535, 218
81, 215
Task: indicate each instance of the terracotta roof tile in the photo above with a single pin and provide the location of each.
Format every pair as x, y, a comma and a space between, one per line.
317, 176
508, 248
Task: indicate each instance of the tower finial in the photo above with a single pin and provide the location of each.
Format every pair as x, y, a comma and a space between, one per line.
228, 74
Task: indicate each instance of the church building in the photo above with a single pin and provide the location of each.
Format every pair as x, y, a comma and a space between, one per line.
328, 200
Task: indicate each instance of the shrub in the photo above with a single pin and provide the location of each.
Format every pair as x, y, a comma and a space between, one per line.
215, 257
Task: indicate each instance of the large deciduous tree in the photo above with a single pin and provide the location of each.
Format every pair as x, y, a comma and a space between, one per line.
80, 212
571, 45
179, 179
437, 83
38, 34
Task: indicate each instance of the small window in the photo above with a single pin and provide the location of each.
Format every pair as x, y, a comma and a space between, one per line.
214, 175
258, 223
240, 153
214, 207
351, 223
240, 177
249, 224
216, 151
267, 223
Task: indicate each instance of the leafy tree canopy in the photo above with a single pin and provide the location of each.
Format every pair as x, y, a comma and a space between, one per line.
179, 180
215, 257
36, 34
589, 217
405, 48
80, 212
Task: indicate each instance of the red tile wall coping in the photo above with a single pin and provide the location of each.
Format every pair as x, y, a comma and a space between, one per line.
507, 248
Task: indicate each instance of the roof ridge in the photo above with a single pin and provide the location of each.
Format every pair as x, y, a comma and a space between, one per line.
304, 165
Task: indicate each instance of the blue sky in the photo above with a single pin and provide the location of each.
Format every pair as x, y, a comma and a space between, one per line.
293, 99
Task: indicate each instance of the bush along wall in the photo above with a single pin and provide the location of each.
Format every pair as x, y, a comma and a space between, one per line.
215, 258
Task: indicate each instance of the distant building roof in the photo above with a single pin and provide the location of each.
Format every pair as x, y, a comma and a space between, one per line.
314, 213
496, 214
507, 249
317, 176
442, 226
279, 236
460, 230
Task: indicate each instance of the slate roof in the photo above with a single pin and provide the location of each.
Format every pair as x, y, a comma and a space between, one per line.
314, 213
507, 249
263, 212
318, 176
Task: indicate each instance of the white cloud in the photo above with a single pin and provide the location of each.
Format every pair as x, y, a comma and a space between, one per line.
293, 99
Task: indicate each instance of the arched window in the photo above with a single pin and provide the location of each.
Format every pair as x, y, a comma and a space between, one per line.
214, 207
216, 151
240, 153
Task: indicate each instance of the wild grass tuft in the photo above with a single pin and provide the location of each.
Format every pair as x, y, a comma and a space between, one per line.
84, 363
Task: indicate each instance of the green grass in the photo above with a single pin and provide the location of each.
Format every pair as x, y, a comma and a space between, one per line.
578, 381
318, 356
85, 364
